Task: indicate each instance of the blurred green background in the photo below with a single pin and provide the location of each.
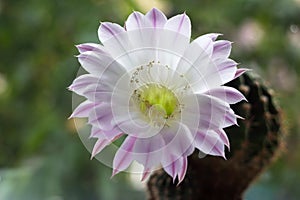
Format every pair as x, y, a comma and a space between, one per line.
41, 155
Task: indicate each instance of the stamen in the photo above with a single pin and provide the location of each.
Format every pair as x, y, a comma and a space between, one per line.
157, 101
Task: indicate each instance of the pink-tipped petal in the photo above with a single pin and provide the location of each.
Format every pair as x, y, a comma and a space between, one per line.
102, 142
226, 64
239, 117
95, 95
177, 168
90, 47
182, 170
96, 132
230, 119
209, 143
214, 113
116, 41
124, 157
109, 135
222, 49
196, 59
211, 74
135, 21
107, 30
99, 146
177, 148
205, 44
156, 18
240, 71
218, 150
96, 63
223, 136
169, 165
146, 174
225, 71
102, 117
212, 108
149, 152
83, 109
180, 24
178, 140
213, 36
227, 94
80, 84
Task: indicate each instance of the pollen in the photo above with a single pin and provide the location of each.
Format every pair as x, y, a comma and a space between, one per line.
158, 96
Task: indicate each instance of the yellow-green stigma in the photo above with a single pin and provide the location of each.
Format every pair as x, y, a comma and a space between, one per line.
158, 96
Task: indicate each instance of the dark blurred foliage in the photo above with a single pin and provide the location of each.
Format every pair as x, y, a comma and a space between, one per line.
41, 155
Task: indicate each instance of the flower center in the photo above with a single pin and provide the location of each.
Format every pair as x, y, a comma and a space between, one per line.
155, 99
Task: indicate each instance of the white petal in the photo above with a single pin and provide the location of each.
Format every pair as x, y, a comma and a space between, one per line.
154, 45
204, 43
180, 24
156, 18
173, 40
108, 30
142, 51
139, 45
195, 60
116, 42
206, 66
135, 21
215, 75
150, 38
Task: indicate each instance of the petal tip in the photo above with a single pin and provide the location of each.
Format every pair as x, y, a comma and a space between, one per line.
239, 117
145, 175
179, 181
70, 88
92, 156
115, 172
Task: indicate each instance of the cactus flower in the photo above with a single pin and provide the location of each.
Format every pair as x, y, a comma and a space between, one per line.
149, 82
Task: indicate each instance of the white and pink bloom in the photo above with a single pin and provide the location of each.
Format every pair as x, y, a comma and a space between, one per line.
147, 81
